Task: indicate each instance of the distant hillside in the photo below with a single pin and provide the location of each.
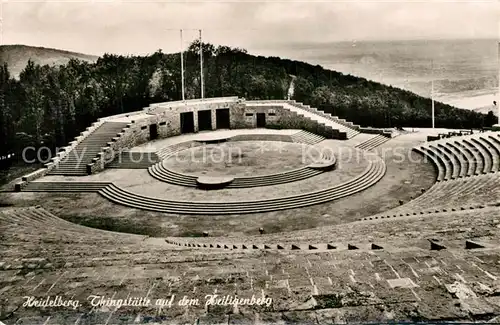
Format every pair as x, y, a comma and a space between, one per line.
52, 105
17, 56
486, 109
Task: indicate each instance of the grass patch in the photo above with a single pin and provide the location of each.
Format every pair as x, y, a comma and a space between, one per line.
118, 225
16, 171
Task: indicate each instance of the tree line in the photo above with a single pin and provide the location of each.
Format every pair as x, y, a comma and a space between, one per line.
50, 105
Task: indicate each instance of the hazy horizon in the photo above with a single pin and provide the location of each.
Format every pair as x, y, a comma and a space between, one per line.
294, 45
138, 28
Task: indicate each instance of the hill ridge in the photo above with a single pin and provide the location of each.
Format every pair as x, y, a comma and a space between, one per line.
17, 55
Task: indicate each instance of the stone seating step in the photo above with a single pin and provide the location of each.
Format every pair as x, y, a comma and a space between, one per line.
481, 154
306, 137
436, 162
451, 163
459, 150
459, 158
163, 174
487, 153
372, 143
438, 196
474, 156
65, 186
321, 118
495, 147
371, 175
464, 156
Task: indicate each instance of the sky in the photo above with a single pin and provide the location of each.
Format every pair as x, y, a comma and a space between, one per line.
141, 27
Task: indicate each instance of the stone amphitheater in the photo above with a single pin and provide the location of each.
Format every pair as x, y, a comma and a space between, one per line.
228, 211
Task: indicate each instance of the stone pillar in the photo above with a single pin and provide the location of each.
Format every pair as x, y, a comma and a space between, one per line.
195, 122
213, 114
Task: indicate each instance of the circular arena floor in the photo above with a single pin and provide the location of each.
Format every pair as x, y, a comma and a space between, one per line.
357, 174
242, 158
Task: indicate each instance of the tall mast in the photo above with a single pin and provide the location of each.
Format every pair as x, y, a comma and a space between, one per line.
201, 68
498, 94
182, 66
432, 93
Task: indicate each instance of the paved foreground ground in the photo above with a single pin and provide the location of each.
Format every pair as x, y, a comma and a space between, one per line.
368, 257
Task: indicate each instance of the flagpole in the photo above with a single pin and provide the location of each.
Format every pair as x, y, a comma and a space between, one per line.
498, 94
201, 68
432, 94
182, 67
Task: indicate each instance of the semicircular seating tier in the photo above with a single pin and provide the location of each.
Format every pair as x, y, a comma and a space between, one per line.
53, 228
327, 162
161, 173
463, 156
164, 174
460, 194
372, 174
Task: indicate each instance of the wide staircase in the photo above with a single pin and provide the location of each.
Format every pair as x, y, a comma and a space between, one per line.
349, 128
134, 160
75, 163
372, 174
373, 143
307, 138
338, 128
464, 156
62, 187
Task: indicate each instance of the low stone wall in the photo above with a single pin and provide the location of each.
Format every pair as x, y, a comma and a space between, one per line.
167, 118
114, 117
192, 105
369, 130
262, 137
194, 101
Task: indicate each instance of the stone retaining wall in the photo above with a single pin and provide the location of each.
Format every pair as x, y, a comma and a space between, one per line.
369, 130
167, 118
63, 152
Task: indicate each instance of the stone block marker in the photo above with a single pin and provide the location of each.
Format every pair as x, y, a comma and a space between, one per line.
436, 246
469, 244
330, 246
351, 247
